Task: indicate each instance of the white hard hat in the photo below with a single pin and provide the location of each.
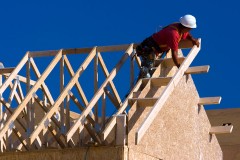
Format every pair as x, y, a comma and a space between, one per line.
188, 21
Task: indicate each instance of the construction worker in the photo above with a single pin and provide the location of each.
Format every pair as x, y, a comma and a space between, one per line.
164, 40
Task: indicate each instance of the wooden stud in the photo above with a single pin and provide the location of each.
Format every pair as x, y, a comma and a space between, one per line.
112, 121
209, 100
96, 88
64, 93
121, 130
167, 61
6, 70
30, 93
78, 50
81, 108
99, 93
112, 98
143, 102
78, 86
20, 78
111, 83
67, 113
221, 129
103, 110
197, 70
14, 73
61, 89
157, 82
131, 73
13, 92
43, 85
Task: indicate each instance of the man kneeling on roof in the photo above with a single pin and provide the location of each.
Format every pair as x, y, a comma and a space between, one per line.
164, 40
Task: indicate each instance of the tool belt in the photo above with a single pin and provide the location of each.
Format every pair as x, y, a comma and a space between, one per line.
148, 48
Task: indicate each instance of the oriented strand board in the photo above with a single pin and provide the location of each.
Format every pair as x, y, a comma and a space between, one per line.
88, 153
230, 143
180, 130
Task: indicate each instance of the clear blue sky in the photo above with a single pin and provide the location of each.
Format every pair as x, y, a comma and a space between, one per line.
53, 24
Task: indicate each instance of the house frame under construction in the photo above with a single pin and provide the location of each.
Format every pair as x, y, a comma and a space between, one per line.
161, 117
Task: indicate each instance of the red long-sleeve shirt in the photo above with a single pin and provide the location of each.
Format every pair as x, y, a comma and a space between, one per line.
169, 37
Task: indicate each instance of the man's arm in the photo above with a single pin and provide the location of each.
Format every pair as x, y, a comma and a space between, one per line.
175, 58
194, 41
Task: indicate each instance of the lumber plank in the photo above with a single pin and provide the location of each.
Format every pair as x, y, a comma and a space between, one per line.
14, 73
221, 129
75, 100
167, 91
112, 122
121, 130
78, 86
112, 98
197, 70
95, 77
167, 62
6, 70
30, 93
103, 111
161, 81
43, 85
105, 70
64, 93
20, 78
99, 93
78, 50
143, 102
62, 118
209, 100
10, 111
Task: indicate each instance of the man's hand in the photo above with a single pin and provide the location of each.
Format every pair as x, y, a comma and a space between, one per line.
195, 42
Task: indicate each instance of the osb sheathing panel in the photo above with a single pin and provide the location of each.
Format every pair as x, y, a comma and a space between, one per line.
180, 131
230, 143
231, 152
220, 116
90, 153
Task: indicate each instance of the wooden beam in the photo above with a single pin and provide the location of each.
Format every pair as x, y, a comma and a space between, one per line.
21, 79
143, 102
121, 129
43, 85
64, 93
209, 100
95, 77
221, 129
14, 73
157, 82
105, 70
78, 50
10, 111
99, 93
112, 122
165, 94
43, 53
13, 92
197, 70
78, 86
167, 62
30, 93
112, 98
6, 70
75, 100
